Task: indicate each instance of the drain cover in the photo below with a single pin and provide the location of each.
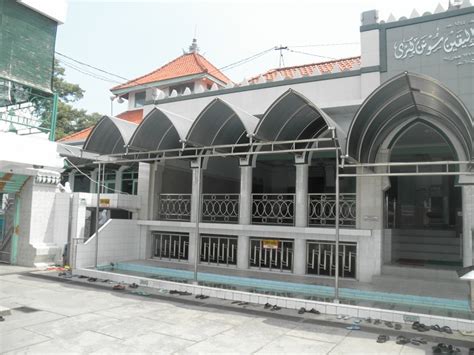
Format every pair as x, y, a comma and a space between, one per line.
25, 309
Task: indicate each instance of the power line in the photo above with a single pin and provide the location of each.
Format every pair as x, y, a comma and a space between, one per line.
312, 54
325, 45
91, 66
86, 72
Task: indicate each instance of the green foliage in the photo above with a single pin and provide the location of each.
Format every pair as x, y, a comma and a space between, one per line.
70, 119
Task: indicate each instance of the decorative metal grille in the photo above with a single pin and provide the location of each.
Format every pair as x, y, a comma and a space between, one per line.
322, 208
220, 208
171, 246
280, 258
321, 258
220, 250
273, 208
175, 207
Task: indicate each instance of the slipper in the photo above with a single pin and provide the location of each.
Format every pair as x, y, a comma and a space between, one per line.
2, 319
347, 317
174, 292
353, 327
184, 293
368, 320
389, 324
419, 340
275, 308
235, 302
377, 322
243, 303
118, 287
382, 338
140, 293
442, 348
82, 277
106, 280
134, 285
92, 279
401, 340
267, 305
314, 311
357, 321
398, 326
301, 310
62, 274
340, 316
436, 327
203, 297
446, 329
415, 325
414, 342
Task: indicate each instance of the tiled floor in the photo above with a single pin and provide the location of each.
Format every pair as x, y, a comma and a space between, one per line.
75, 318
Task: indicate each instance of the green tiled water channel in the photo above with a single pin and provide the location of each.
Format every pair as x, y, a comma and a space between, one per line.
393, 301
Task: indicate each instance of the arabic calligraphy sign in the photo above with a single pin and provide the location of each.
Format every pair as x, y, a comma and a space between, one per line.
455, 41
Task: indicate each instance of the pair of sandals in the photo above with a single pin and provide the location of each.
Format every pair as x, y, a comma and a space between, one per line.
396, 326
443, 348
118, 287
444, 329
303, 310
402, 340
420, 327
240, 303
271, 308
133, 285
201, 297
180, 293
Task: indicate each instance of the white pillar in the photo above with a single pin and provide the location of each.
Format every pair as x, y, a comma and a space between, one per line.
299, 256
143, 188
301, 197
245, 204
94, 177
158, 185
196, 190
243, 245
467, 223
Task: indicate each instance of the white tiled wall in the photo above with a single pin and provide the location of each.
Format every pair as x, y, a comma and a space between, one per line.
117, 242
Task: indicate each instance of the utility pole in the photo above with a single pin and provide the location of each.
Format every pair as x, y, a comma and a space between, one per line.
281, 49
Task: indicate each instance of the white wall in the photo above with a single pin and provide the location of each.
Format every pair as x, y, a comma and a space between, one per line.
324, 93
118, 241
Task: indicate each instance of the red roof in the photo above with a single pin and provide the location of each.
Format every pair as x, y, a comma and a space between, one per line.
309, 69
135, 116
187, 64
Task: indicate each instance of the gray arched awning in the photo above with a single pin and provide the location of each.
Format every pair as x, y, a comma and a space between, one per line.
292, 116
221, 123
109, 136
407, 97
159, 130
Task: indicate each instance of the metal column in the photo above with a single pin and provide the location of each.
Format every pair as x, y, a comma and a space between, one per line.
97, 217
336, 276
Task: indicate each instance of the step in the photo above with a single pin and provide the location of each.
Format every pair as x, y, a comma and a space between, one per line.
428, 256
426, 240
447, 233
420, 272
427, 248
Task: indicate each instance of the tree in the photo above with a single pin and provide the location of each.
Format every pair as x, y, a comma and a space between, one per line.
70, 119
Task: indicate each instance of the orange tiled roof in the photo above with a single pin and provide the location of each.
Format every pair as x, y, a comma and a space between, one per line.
309, 69
187, 64
135, 116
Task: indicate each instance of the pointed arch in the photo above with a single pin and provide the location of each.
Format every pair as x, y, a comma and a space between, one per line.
404, 99
292, 116
160, 130
221, 123
109, 136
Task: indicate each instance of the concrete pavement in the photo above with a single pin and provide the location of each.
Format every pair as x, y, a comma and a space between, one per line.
70, 317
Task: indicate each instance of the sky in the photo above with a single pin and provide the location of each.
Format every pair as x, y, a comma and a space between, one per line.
132, 38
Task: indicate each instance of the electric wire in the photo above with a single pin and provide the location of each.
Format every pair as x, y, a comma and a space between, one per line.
91, 66
83, 71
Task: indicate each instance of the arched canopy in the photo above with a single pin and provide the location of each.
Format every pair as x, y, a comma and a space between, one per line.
403, 99
159, 130
292, 116
109, 136
221, 123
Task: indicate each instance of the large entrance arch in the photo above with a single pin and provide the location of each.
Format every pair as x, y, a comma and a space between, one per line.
413, 118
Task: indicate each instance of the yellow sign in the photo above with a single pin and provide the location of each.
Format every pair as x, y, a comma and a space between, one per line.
270, 244
104, 202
